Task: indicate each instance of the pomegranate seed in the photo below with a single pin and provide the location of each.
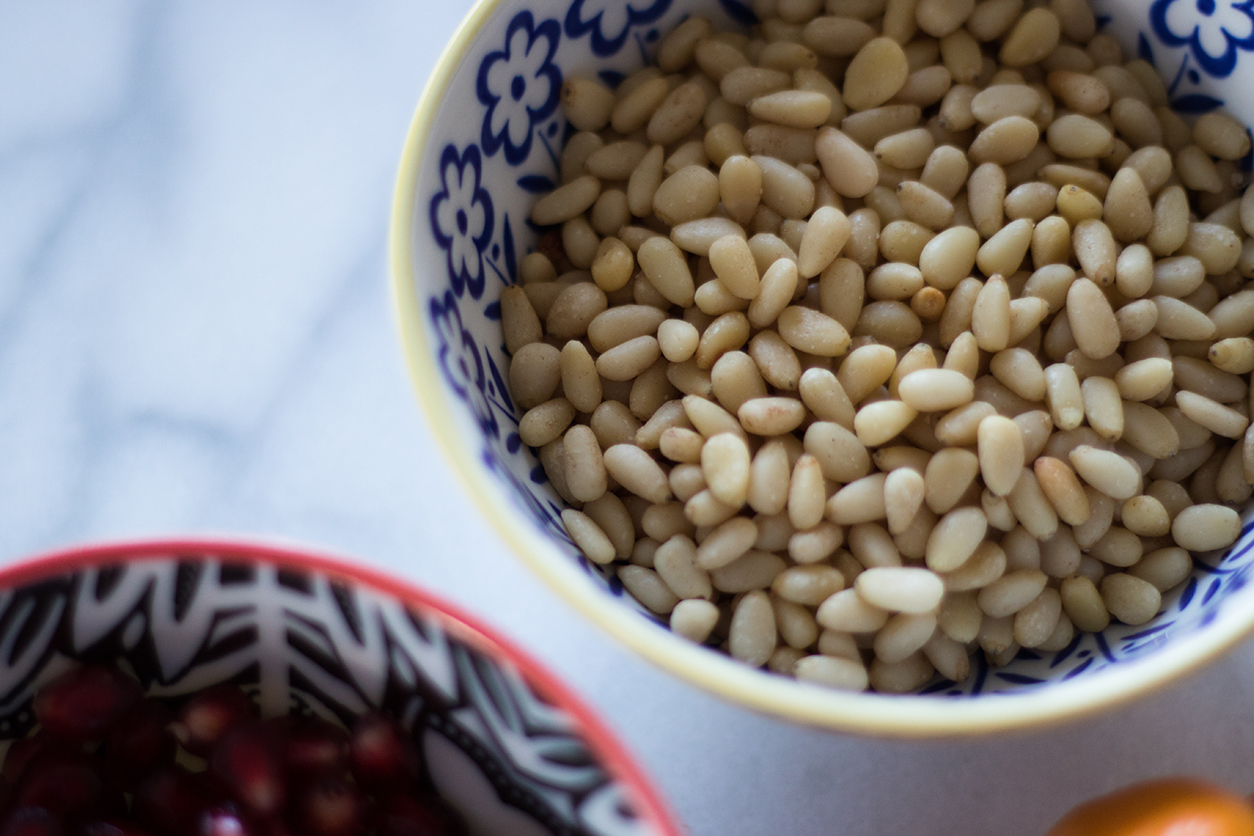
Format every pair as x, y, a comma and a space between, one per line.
140, 742
331, 807
113, 827
171, 800
19, 755
272, 827
313, 746
32, 821
209, 715
65, 782
419, 815
246, 761
22, 752
224, 820
82, 704
381, 754
58, 788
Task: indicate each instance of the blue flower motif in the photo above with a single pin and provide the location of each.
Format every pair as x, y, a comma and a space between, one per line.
460, 362
1214, 29
520, 86
610, 20
462, 218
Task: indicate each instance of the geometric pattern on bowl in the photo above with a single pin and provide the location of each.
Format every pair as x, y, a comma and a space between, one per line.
303, 642
476, 187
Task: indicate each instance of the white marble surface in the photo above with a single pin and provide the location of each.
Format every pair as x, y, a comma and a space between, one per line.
195, 336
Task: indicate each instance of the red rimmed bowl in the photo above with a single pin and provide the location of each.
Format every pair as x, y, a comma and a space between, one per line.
505, 743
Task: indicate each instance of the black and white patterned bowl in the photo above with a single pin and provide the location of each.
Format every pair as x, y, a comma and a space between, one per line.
484, 143
505, 742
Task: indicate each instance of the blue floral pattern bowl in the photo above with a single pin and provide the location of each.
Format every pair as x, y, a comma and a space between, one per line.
485, 144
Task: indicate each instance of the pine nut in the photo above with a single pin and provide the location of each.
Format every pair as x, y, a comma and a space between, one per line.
752, 635
1006, 141
1011, 592
848, 612
875, 74
848, 167
812, 381
1032, 508
1092, 319
882, 421
1202, 528
1103, 406
900, 589
990, 316
1033, 37
860, 501
1035, 623
1215, 417
1109, 472
903, 496
935, 390
1164, 568
1130, 599
694, 619
1000, 453
1064, 489
948, 258
833, 672
775, 292
1004, 252
1148, 430
825, 236
588, 536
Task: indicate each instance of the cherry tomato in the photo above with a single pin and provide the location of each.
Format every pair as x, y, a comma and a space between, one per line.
1169, 807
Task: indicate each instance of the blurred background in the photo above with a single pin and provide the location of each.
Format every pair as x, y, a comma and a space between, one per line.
196, 337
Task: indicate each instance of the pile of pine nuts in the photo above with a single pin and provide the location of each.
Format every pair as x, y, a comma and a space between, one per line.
892, 331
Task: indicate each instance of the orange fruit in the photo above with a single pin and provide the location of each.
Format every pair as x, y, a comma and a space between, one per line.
1168, 807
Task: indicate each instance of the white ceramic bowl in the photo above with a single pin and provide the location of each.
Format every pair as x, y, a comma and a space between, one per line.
507, 744
484, 144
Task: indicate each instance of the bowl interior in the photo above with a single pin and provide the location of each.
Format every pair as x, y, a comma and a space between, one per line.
508, 748
485, 144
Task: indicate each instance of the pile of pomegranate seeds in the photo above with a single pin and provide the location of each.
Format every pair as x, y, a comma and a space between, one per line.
106, 762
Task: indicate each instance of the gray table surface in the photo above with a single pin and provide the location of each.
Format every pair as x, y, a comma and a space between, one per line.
195, 336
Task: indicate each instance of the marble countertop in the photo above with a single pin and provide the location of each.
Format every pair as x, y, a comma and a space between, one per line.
196, 337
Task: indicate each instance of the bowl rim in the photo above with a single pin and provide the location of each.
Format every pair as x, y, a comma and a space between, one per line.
862, 713
618, 761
